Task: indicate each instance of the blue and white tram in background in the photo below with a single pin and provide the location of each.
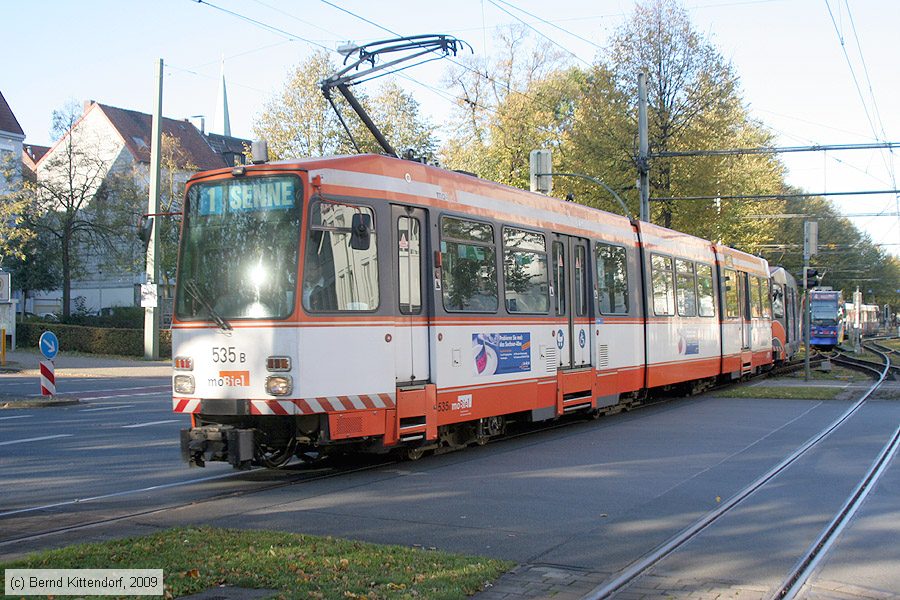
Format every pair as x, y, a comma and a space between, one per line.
826, 318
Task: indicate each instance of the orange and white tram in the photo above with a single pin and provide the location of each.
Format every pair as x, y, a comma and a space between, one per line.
378, 303
786, 314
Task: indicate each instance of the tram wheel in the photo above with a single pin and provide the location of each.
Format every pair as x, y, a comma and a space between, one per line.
414, 453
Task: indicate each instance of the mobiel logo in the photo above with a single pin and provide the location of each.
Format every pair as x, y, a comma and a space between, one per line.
231, 379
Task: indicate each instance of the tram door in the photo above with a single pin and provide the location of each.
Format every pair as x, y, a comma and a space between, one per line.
409, 251
569, 301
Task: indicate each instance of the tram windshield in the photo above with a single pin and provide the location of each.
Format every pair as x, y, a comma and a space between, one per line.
239, 249
824, 312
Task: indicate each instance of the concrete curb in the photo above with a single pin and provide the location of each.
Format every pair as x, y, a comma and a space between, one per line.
12, 402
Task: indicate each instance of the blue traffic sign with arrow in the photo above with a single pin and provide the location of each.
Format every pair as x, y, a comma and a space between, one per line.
49, 345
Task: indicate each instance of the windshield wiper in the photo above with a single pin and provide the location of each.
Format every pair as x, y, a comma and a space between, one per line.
194, 290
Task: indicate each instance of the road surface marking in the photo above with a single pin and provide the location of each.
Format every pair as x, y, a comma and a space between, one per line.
116, 407
150, 423
128, 395
15, 417
37, 439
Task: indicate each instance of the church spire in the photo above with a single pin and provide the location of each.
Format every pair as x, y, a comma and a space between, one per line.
221, 121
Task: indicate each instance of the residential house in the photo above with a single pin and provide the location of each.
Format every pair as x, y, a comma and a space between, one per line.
31, 154
121, 140
11, 138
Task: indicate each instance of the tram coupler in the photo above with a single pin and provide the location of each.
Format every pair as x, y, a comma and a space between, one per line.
200, 445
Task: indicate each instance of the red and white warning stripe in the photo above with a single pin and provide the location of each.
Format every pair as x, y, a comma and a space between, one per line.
186, 405
311, 406
303, 406
48, 378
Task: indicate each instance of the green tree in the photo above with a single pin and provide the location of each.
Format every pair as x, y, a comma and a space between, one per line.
15, 203
847, 257
36, 268
299, 122
132, 186
694, 104
508, 107
396, 113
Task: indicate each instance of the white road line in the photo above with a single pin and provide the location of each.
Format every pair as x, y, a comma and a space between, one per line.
37, 439
150, 423
116, 407
161, 387
15, 417
160, 392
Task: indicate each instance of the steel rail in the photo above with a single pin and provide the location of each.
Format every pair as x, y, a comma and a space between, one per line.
655, 556
249, 492
802, 570
805, 567
152, 511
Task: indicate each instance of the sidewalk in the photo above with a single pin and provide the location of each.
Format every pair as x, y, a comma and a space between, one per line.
25, 361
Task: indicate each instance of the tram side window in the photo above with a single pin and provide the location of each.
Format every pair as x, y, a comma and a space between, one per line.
766, 298
468, 268
580, 282
335, 276
732, 305
525, 273
409, 259
612, 279
559, 278
705, 297
686, 288
663, 279
755, 303
778, 300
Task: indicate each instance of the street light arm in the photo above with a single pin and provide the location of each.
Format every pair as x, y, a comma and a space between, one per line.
598, 182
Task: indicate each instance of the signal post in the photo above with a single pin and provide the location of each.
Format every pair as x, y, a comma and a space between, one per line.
810, 247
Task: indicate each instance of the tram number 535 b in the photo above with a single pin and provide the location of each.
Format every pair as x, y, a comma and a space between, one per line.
228, 355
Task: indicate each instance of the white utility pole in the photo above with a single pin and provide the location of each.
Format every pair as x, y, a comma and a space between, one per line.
151, 313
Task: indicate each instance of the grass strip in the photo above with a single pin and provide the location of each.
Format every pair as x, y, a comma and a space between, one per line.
299, 566
781, 392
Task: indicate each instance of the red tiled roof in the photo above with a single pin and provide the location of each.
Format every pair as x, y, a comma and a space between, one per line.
35, 152
135, 129
8, 119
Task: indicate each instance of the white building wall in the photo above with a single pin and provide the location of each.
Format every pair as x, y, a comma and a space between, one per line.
10, 158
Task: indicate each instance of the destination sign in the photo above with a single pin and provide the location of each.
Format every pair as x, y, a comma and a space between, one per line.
262, 193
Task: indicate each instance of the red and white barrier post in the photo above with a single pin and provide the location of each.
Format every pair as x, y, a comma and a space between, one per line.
48, 378
49, 345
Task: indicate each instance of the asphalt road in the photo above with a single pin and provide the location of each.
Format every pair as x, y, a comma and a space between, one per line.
590, 496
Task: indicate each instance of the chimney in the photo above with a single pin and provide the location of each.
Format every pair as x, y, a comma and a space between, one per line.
87, 104
202, 126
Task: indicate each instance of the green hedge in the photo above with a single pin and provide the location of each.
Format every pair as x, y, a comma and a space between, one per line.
93, 340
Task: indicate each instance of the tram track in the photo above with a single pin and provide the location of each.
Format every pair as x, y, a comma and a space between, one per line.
298, 480
170, 508
802, 569
388, 460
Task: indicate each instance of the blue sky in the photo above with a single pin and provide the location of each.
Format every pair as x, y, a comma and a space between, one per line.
788, 53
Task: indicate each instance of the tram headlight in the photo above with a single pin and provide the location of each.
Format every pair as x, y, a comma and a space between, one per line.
279, 385
184, 384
